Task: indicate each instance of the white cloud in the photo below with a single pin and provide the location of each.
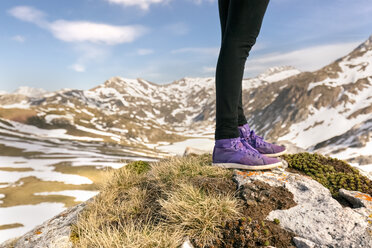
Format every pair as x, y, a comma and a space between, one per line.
91, 40
28, 14
143, 4
19, 38
78, 68
199, 50
82, 31
145, 51
202, 1
306, 59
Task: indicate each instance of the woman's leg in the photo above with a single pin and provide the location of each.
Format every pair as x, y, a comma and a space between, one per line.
241, 117
223, 7
240, 28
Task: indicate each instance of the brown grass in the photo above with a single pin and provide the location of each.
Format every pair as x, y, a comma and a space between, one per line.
200, 215
15, 114
157, 206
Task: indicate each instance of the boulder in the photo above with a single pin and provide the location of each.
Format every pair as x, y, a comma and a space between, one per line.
303, 243
318, 218
356, 198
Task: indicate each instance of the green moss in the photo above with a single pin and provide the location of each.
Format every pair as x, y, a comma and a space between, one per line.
332, 173
276, 221
139, 167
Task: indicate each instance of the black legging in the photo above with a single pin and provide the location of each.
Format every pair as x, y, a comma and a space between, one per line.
240, 25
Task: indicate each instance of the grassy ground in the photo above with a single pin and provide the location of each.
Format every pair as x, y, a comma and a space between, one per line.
16, 152
160, 204
20, 115
24, 192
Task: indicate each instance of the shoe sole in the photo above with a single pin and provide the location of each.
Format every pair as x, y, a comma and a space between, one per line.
275, 154
247, 167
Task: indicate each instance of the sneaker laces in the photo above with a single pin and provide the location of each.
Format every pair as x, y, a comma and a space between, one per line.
250, 150
238, 145
258, 140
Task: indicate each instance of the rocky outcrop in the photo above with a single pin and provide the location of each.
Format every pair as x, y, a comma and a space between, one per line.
357, 199
54, 233
318, 219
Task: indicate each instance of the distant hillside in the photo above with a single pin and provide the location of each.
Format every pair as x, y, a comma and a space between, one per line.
327, 110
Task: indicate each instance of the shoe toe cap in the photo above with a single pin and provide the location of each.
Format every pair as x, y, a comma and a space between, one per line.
268, 160
278, 148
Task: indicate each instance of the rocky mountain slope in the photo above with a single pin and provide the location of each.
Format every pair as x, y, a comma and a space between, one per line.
131, 112
327, 110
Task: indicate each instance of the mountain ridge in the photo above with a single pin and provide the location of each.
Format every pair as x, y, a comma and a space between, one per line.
315, 107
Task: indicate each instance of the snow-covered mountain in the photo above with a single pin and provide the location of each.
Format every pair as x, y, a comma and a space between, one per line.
278, 73
30, 92
328, 110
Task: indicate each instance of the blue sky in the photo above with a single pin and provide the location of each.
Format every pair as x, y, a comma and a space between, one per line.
81, 43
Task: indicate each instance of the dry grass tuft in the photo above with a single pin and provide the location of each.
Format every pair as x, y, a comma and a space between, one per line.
157, 205
131, 235
176, 170
199, 214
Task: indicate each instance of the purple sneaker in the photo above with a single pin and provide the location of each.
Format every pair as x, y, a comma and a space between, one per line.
233, 153
257, 142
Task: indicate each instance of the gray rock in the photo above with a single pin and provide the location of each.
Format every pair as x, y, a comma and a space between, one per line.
356, 198
54, 233
304, 243
317, 217
9, 243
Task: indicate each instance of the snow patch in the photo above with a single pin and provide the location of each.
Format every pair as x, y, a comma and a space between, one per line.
28, 216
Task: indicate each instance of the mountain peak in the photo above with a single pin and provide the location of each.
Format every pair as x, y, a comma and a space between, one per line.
367, 45
369, 40
278, 73
114, 82
29, 91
